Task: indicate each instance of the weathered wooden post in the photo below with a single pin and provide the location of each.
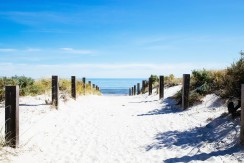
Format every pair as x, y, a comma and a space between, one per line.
55, 88
150, 86
94, 86
12, 116
143, 86
185, 91
84, 85
129, 91
161, 87
134, 89
138, 89
73, 87
90, 86
242, 115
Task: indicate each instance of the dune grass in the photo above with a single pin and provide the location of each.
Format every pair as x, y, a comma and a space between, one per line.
29, 86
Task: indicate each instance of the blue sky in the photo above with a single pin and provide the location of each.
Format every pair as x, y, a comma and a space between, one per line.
118, 38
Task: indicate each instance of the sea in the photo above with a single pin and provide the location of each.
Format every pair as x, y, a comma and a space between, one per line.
110, 86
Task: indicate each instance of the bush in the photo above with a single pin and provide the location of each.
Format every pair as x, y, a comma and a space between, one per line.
204, 82
200, 77
233, 80
170, 81
154, 79
25, 84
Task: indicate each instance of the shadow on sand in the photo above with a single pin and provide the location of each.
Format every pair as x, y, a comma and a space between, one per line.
217, 132
169, 107
205, 156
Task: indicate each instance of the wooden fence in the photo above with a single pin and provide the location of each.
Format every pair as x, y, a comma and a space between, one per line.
12, 108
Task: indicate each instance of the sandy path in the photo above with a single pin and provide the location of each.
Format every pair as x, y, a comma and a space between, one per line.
90, 129
108, 129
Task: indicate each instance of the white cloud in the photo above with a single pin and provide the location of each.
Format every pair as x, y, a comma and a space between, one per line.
32, 50
8, 50
132, 70
76, 51
20, 50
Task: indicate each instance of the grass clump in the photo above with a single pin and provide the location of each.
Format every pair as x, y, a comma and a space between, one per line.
170, 81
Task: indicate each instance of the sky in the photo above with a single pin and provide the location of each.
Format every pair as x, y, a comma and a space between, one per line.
118, 38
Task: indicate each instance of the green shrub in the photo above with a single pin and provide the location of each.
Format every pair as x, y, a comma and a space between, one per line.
233, 80
200, 77
204, 82
154, 79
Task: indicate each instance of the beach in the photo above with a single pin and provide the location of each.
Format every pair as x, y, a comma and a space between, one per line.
124, 129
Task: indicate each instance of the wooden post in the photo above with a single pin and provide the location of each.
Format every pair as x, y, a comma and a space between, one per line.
132, 91
143, 86
242, 115
150, 86
12, 116
161, 87
93, 85
185, 91
90, 84
129, 91
84, 84
96, 87
73, 87
55, 88
138, 89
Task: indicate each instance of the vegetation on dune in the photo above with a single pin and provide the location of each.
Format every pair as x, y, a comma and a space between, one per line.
233, 79
29, 86
204, 82
169, 81
224, 83
154, 79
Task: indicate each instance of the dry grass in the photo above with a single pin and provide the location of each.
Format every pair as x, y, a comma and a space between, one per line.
32, 87
5, 151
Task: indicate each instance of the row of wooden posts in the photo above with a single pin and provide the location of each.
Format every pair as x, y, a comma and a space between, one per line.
136, 90
185, 95
55, 89
12, 104
12, 107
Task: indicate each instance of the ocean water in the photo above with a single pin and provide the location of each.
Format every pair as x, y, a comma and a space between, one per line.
109, 86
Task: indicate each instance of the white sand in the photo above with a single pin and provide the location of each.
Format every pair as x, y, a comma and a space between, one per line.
125, 129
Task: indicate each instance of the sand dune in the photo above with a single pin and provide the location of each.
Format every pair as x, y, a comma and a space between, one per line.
124, 129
